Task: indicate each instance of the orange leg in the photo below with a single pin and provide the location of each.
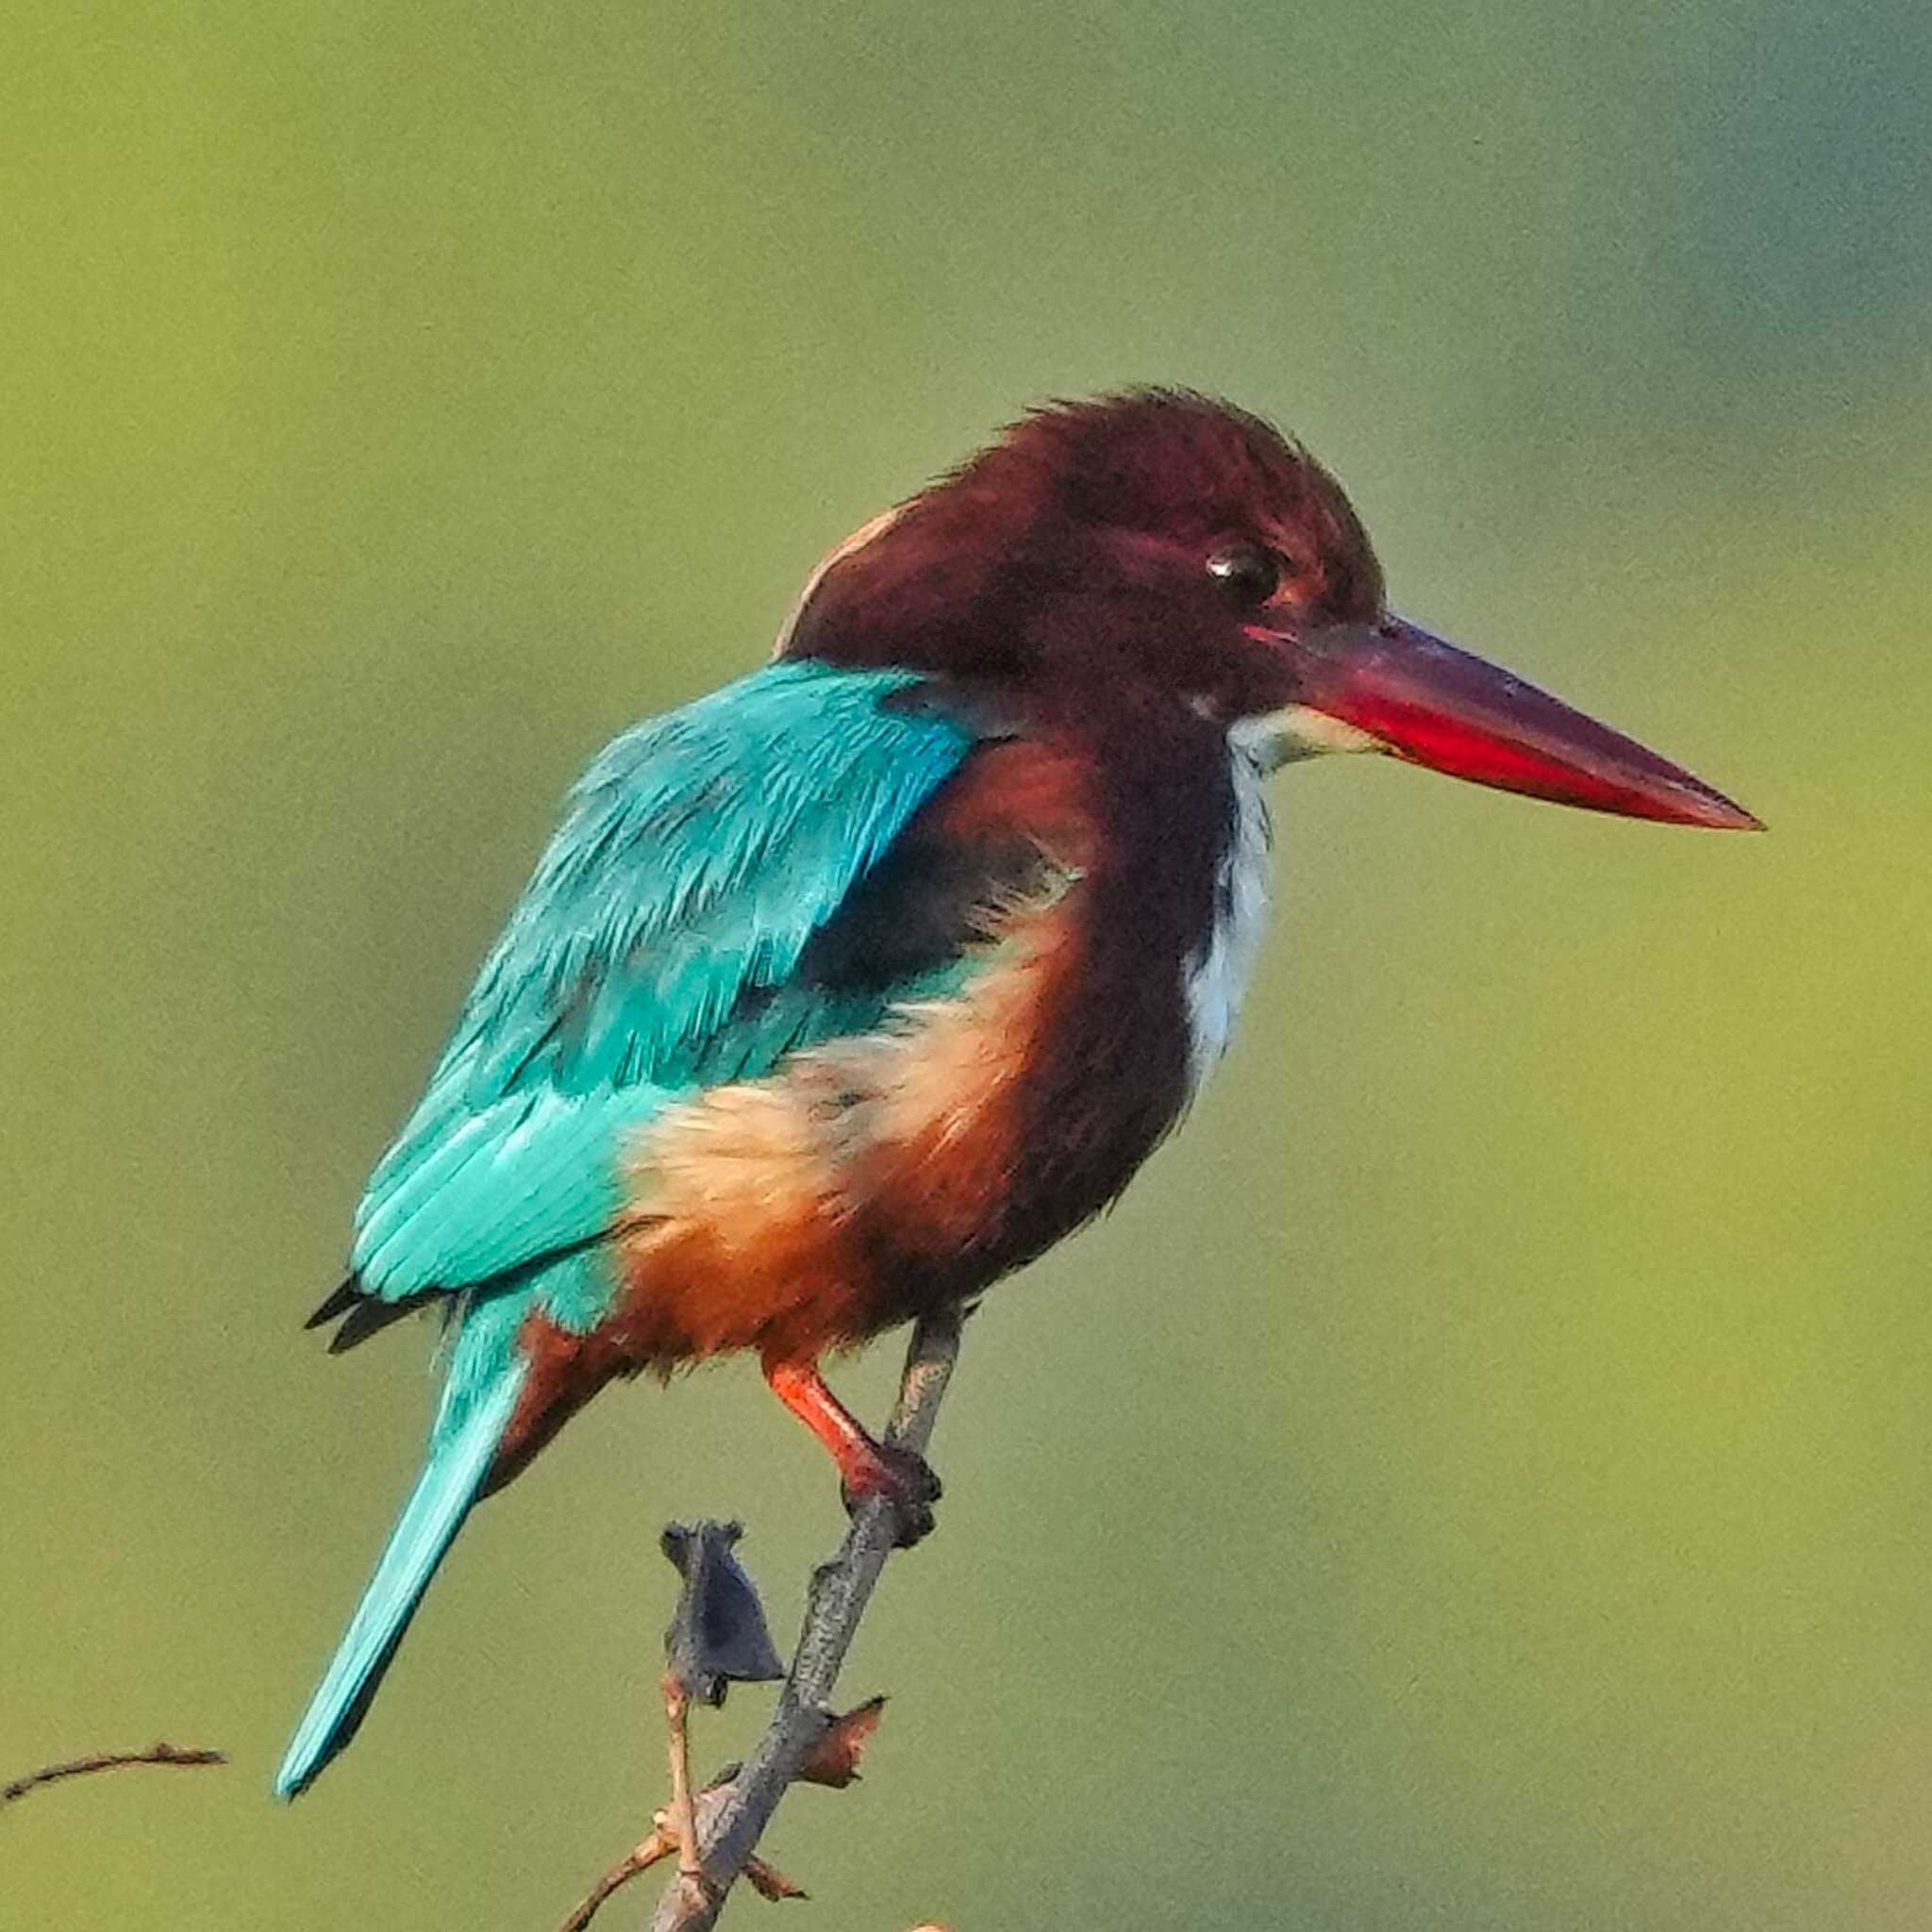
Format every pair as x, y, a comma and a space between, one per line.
866, 1467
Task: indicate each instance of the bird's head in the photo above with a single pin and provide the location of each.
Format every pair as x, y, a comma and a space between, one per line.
1167, 552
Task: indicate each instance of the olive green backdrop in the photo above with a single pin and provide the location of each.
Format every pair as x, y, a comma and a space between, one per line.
1478, 1479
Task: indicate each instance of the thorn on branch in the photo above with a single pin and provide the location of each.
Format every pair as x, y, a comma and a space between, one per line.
769, 1882
834, 1759
106, 1761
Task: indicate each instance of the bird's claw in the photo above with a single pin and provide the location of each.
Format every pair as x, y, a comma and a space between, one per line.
904, 1479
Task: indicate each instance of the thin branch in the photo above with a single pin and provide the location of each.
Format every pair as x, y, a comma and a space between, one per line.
620, 1875
836, 1602
106, 1761
770, 1882
684, 1816
659, 1845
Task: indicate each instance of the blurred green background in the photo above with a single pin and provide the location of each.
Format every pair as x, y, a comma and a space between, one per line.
1478, 1479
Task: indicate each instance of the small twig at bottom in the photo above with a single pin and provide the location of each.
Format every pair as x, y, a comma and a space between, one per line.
620, 1875
662, 1842
106, 1761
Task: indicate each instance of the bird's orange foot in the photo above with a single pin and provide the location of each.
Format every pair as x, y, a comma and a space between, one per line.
866, 1467
904, 1479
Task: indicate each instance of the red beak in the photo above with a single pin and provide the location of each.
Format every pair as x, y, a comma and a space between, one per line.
1427, 702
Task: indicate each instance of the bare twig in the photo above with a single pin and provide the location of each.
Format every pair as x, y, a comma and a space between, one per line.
684, 1816
839, 1594
770, 1882
646, 1854
106, 1761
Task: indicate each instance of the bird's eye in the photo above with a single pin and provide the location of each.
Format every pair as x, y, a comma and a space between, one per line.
1247, 573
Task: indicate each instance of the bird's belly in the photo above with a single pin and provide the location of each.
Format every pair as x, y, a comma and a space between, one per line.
867, 1178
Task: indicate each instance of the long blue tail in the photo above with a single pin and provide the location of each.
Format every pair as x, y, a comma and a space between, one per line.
434, 1511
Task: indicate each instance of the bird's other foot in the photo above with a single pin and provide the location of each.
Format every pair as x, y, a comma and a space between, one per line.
904, 1479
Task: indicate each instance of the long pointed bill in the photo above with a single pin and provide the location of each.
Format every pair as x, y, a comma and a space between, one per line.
1410, 693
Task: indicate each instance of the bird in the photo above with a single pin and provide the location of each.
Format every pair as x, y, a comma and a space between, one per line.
850, 988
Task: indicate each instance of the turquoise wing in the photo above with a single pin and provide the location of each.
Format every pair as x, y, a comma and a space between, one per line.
648, 957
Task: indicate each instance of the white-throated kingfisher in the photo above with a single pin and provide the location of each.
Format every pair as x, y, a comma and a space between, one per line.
848, 988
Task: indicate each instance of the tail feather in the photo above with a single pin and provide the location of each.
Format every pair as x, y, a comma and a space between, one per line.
442, 1497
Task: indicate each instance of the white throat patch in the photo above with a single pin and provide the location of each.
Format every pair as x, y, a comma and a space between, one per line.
1217, 975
